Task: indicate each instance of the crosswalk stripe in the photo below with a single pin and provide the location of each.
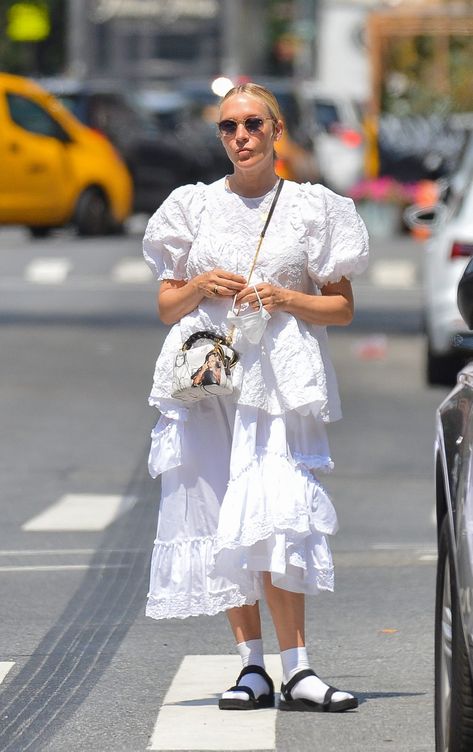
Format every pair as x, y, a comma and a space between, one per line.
81, 512
5, 667
191, 720
48, 270
394, 273
132, 270
59, 567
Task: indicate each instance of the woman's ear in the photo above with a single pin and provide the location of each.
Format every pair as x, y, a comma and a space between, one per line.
278, 129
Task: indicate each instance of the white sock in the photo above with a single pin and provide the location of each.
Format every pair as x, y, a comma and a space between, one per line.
310, 688
251, 654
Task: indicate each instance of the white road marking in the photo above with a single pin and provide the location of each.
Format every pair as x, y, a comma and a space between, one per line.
70, 551
132, 270
81, 512
402, 546
393, 274
5, 667
428, 557
60, 567
190, 718
48, 271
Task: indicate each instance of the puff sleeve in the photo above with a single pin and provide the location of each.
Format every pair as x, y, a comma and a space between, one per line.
338, 239
171, 230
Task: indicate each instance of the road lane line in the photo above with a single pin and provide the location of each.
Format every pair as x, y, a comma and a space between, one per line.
5, 667
81, 512
48, 271
132, 270
191, 720
70, 551
393, 274
59, 567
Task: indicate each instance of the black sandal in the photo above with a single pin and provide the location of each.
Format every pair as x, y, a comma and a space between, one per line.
327, 706
252, 703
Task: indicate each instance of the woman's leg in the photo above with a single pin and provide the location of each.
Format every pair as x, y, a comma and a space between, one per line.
245, 622
246, 625
288, 614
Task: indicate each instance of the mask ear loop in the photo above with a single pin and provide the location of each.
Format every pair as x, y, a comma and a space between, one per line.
237, 313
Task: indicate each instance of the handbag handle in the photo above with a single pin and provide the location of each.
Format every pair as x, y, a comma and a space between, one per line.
215, 338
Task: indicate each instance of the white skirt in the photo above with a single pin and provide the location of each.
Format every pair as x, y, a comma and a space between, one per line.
240, 496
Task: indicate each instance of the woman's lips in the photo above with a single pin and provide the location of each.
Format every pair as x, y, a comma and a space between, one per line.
244, 152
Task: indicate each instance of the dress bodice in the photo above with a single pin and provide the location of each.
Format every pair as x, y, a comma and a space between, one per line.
314, 237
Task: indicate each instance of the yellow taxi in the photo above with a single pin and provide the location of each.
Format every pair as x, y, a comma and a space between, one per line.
54, 170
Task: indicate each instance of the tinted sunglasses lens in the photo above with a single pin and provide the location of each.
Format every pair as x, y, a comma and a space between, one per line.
253, 124
227, 127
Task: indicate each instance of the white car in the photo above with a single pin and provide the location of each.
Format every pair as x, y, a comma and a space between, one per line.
447, 253
337, 134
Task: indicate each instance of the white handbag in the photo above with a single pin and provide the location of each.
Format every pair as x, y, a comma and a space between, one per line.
205, 369
202, 367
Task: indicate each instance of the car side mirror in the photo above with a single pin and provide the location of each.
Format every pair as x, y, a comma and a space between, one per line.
465, 295
429, 217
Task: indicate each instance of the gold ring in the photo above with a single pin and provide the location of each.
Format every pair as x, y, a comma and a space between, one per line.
216, 290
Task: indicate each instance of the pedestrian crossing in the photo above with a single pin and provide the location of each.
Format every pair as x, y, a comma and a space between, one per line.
81, 512
133, 271
190, 719
56, 271
5, 668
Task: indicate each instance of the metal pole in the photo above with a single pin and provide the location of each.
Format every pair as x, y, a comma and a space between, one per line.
231, 38
77, 39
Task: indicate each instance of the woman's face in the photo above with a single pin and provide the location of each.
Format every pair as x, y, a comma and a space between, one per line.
247, 150
212, 361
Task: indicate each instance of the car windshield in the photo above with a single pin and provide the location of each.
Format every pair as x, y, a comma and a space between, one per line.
325, 114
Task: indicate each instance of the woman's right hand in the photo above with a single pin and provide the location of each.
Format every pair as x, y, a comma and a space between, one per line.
219, 282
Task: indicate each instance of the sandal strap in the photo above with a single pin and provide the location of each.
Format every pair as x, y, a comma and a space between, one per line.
257, 670
287, 688
328, 695
242, 688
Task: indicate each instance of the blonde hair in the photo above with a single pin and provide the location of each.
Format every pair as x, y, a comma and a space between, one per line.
260, 92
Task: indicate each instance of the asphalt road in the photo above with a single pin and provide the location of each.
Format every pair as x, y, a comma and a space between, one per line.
83, 670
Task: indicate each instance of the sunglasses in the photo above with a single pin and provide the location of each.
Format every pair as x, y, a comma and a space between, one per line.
251, 124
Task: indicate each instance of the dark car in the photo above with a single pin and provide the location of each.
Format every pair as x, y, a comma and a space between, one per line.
454, 596
157, 158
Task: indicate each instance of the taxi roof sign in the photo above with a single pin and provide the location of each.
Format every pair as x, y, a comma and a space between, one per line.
28, 22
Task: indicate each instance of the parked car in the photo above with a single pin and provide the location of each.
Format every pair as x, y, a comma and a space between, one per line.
54, 170
454, 592
448, 250
191, 121
335, 123
156, 157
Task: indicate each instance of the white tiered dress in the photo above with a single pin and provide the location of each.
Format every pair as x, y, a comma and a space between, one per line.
240, 492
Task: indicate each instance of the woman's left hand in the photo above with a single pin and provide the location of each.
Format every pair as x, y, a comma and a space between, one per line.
272, 297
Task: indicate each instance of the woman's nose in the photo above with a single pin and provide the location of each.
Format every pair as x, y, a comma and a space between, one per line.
241, 131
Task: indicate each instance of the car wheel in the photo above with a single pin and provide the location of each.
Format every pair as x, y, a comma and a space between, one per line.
453, 681
92, 216
442, 369
39, 232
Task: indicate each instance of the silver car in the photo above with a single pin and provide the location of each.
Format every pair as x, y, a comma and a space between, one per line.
454, 596
447, 253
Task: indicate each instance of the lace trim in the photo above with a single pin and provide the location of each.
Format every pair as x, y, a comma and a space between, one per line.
184, 541
205, 604
314, 462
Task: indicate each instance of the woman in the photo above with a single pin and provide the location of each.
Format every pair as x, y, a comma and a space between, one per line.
249, 518
209, 373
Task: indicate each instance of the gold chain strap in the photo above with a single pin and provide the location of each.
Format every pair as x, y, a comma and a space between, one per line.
260, 242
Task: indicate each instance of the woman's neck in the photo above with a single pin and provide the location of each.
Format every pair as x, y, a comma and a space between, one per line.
252, 185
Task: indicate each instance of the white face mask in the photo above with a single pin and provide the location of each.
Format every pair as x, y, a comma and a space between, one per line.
251, 325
